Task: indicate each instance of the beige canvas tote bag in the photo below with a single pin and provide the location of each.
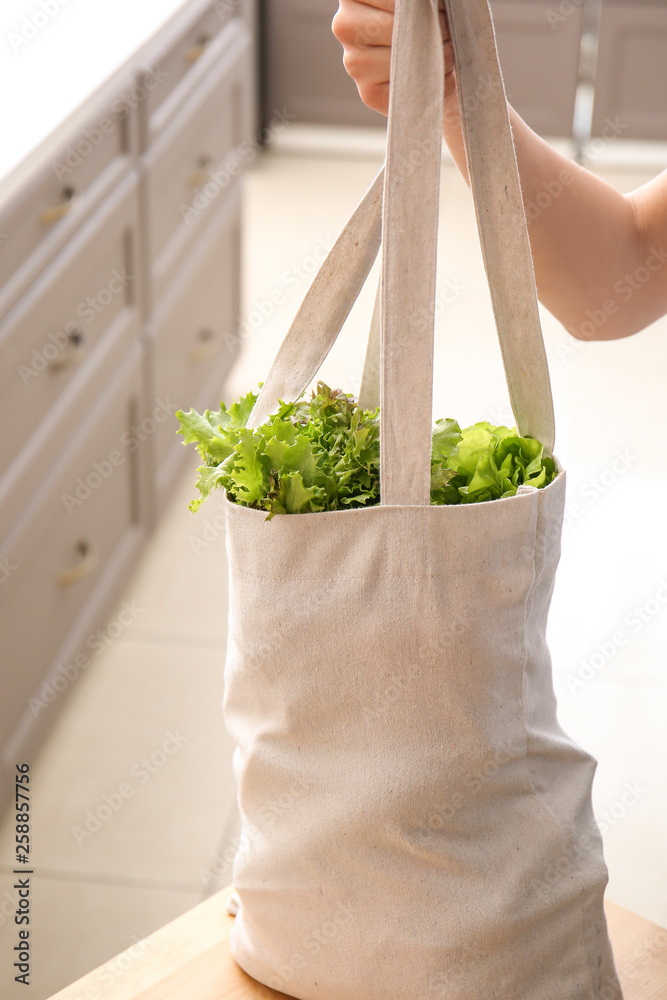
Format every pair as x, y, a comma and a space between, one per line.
416, 824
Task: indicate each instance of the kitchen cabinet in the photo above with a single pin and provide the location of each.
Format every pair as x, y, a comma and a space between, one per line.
539, 44
69, 552
539, 53
184, 175
80, 315
119, 303
632, 70
52, 203
304, 69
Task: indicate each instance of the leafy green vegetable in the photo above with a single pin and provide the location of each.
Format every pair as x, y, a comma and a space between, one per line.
484, 462
324, 454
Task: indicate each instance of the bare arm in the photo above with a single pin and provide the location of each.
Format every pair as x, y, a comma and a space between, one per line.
600, 263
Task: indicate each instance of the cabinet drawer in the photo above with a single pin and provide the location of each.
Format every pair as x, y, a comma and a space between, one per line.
191, 168
184, 60
68, 542
195, 340
51, 337
51, 208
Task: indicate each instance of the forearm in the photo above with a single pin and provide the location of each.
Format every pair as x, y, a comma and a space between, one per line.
599, 257
586, 238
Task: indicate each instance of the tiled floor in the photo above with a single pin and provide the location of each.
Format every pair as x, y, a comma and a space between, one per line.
133, 794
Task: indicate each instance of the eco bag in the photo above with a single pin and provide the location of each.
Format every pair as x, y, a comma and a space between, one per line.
416, 824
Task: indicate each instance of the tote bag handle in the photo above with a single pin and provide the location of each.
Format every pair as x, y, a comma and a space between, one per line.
409, 233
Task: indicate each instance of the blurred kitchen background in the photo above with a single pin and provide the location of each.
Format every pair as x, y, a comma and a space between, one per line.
171, 175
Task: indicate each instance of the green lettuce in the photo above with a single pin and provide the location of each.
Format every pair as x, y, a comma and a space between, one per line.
324, 454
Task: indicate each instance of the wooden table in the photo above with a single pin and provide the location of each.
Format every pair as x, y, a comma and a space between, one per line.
189, 959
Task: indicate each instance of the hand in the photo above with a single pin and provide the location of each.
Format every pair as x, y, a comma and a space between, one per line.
365, 30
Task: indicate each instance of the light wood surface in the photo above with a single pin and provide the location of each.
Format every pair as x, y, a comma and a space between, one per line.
640, 950
189, 959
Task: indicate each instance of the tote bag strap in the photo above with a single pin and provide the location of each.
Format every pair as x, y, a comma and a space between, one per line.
326, 306
409, 251
410, 237
501, 218
413, 163
369, 390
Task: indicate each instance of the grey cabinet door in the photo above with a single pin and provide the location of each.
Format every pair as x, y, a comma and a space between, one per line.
302, 65
631, 85
539, 53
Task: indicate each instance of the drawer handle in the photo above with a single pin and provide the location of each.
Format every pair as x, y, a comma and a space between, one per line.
84, 567
197, 51
201, 174
209, 345
74, 353
51, 215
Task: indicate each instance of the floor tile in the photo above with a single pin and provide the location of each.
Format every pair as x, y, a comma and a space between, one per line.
78, 925
135, 781
181, 583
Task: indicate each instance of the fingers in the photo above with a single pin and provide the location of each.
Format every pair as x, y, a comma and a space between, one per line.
358, 24
364, 29
375, 95
361, 25
369, 68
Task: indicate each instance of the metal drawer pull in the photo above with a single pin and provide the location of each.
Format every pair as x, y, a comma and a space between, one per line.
85, 566
201, 175
198, 50
209, 345
74, 353
51, 215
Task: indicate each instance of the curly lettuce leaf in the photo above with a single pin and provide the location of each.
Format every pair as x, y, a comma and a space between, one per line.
212, 431
293, 497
